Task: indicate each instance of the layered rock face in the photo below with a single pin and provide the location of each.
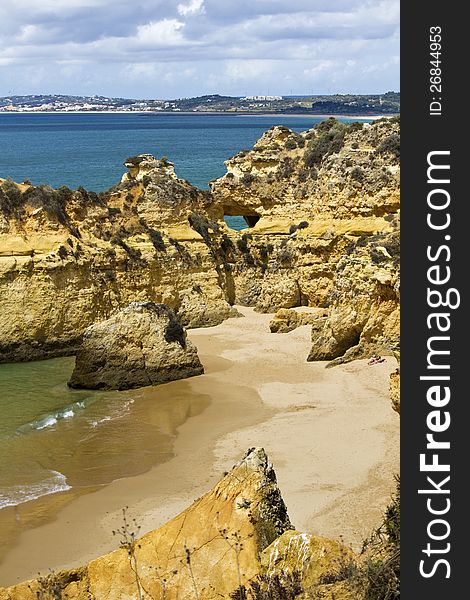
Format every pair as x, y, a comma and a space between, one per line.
238, 534
332, 171
288, 319
363, 318
327, 201
323, 208
70, 259
143, 344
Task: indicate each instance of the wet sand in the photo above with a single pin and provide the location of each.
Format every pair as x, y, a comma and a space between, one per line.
330, 433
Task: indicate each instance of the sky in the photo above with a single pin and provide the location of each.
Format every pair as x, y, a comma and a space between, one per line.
182, 48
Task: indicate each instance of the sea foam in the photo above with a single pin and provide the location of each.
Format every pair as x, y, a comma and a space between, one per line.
52, 419
19, 494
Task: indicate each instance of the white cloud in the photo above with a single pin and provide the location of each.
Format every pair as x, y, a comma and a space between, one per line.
135, 71
319, 70
27, 33
32, 34
161, 33
194, 7
240, 46
249, 69
379, 67
58, 6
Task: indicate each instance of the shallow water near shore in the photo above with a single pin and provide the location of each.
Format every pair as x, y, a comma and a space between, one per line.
53, 439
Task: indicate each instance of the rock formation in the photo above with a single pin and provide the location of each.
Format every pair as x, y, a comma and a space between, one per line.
395, 389
327, 203
333, 171
72, 258
363, 316
323, 209
287, 319
238, 534
143, 344
395, 383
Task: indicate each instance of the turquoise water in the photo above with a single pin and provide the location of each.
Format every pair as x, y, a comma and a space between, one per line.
53, 438
89, 149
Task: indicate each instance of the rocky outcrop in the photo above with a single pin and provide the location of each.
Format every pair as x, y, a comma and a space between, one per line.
236, 536
165, 202
143, 344
331, 171
327, 235
287, 319
236, 541
363, 317
395, 389
206, 551
395, 383
317, 560
69, 259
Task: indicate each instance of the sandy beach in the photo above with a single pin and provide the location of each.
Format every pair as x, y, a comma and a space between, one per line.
330, 433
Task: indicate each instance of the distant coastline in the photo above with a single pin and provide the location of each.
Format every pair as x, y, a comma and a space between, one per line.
312, 105
199, 112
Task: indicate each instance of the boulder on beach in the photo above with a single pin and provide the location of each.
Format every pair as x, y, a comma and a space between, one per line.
143, 344
288, 319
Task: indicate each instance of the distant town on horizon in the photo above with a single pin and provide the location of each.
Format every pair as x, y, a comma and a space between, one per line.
351, 104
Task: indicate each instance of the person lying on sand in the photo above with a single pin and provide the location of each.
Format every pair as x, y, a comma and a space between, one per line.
376, 359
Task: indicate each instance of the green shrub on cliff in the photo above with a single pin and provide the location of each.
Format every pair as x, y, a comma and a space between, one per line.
377, 576
392, 245
391, 524
203, 226
290, 144
390, 145
329, 139
286, 169
382, 569
357, 174
248, 179
284, 586
11, 197
54, 202
242, 245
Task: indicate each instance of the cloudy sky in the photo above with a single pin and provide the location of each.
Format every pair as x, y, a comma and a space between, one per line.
177, 48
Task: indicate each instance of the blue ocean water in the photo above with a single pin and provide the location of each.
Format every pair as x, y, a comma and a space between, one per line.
89, 149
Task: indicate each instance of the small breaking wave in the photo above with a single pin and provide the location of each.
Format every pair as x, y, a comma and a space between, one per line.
122, 410
98, 422
53, 418
19, 494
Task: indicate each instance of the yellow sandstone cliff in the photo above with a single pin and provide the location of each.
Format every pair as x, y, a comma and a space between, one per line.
70, 259
235, 537
323, 210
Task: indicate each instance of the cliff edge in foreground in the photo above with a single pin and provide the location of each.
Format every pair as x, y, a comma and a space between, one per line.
234, 542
